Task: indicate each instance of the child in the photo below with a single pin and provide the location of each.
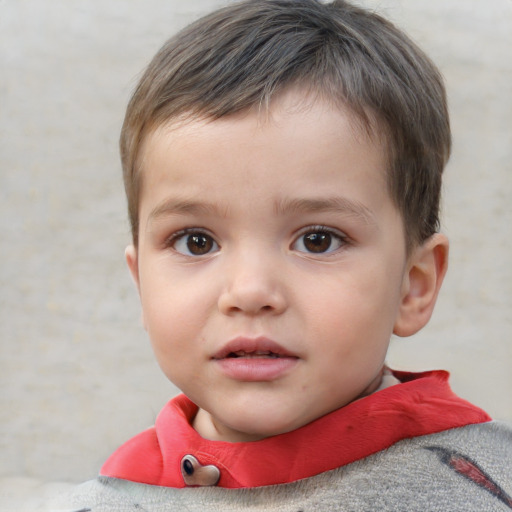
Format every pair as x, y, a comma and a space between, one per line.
282, 163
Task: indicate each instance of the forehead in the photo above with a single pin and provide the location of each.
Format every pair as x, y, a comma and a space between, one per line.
305, 104
297, 138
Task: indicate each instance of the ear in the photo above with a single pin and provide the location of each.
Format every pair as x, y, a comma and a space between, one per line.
132, 260
424, 275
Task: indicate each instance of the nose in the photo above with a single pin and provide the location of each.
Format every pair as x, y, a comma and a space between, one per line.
253, 286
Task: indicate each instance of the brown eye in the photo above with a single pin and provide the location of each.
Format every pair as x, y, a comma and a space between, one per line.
195, 244
199, 244
319, 241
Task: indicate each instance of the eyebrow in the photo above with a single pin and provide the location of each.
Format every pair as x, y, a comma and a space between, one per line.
182, 207
336, 204
339, 205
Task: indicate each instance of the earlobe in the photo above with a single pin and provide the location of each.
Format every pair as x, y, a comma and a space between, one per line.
425, 273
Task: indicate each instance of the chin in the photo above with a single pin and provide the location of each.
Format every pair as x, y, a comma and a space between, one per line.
260, 427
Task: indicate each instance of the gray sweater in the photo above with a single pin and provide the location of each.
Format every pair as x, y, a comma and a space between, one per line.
464, 469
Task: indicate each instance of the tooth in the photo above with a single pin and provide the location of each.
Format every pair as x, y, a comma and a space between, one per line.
254, 354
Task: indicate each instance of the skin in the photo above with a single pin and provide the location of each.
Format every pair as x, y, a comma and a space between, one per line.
291, 237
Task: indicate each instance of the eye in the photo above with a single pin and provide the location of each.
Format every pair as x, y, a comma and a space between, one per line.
319, 240
193, 243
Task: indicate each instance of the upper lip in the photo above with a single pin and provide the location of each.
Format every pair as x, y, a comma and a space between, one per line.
244, 345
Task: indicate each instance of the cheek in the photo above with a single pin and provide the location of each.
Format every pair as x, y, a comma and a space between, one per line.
174, 316
360, 305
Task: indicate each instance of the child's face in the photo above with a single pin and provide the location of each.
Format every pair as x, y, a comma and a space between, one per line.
271, 264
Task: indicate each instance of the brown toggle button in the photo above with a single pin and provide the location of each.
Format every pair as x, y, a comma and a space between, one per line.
194, 473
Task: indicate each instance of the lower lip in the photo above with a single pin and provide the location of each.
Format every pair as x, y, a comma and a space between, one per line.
256, 369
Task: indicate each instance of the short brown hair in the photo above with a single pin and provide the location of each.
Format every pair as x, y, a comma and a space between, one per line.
242, 55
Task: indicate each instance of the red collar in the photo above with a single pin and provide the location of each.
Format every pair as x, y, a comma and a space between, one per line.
422, 404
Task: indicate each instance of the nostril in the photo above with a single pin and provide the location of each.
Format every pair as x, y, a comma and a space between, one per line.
251, 297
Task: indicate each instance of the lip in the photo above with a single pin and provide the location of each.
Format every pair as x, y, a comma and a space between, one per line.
252, 346
254, 359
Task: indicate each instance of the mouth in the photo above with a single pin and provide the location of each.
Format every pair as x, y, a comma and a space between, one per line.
255, 360
253, 348
258, 354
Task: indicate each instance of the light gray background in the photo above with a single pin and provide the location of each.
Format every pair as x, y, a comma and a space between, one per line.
77, 375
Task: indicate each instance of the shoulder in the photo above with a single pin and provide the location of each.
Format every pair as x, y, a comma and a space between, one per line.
480, 436
486, 444
465, 469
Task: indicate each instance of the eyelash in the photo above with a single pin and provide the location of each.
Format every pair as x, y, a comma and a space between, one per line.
182, 234
342, 238
333, 234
